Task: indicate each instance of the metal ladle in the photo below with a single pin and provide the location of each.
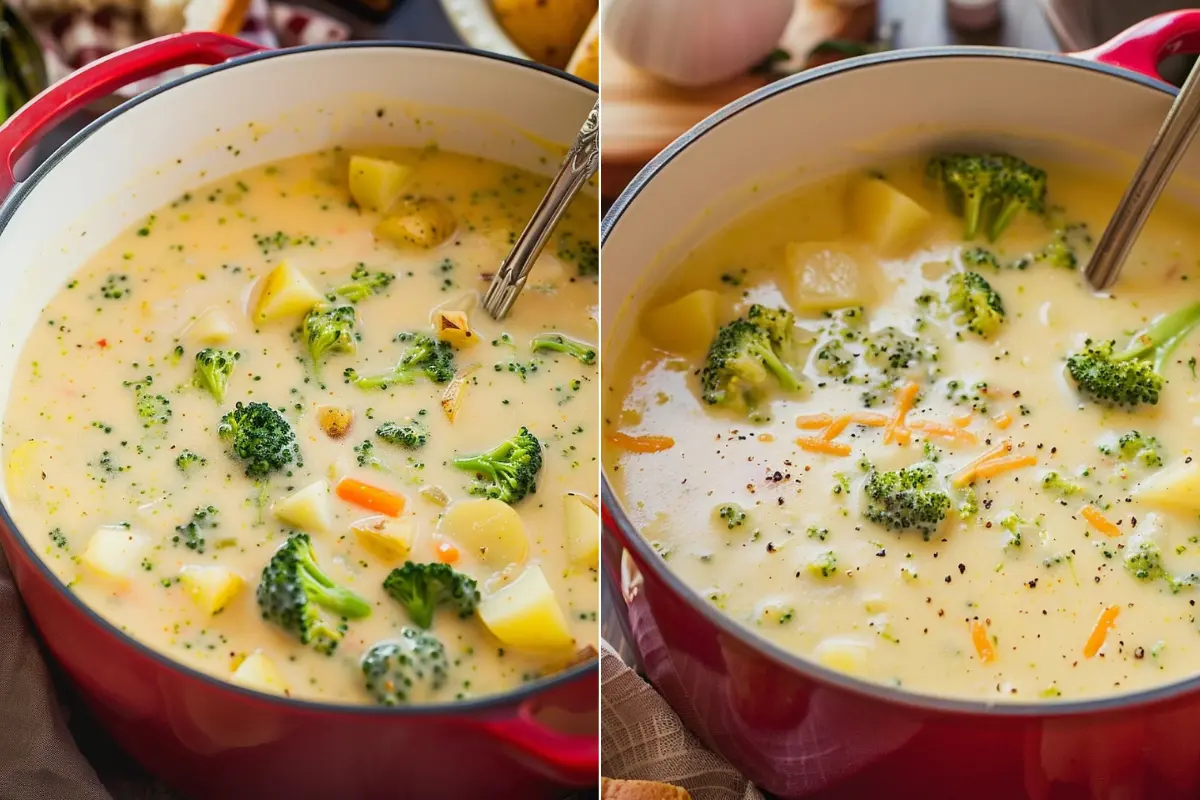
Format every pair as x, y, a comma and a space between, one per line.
1148, 183
580, 164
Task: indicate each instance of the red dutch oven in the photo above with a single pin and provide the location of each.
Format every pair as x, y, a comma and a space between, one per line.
794, 728
206, 737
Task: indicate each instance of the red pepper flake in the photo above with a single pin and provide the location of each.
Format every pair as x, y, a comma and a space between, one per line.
102, 343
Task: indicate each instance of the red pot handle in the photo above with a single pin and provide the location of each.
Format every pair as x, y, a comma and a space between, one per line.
1142, 47
101, 78
573, 759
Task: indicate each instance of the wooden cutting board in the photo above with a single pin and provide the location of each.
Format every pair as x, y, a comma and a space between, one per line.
641, 115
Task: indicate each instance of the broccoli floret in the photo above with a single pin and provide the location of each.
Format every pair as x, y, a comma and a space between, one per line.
1141, 449
824, 565
294, 589
213, 368
968, 507
366, 457
564, 344
421, 588
415, 664
1058, 253
974, 303
191, 534
1144, 561
732, 515
186, 461
906, 499
153, 409
893, 352
833, 360
1012, 523
1132, 376
424, 356
988, 190
745, 355
329, 330
259, 436
363, 284
508, 471
978, 257
1056, 483
411, 436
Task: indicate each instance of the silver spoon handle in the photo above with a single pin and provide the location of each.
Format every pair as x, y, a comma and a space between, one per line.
1148, 183
580, 164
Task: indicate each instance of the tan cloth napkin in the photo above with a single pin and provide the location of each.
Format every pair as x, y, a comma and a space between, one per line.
641, 738
38, 756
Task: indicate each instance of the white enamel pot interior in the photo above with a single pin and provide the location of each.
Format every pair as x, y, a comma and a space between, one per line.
244, 113
849, 116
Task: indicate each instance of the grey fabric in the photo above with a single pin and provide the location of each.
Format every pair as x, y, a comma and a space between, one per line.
641, 738
38, 756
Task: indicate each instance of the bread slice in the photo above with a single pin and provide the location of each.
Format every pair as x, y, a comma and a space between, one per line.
611, 789
172, 16
585, 61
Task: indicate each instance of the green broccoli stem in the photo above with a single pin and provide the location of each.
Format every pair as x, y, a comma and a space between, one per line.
1162, 336
776, 367
323, 591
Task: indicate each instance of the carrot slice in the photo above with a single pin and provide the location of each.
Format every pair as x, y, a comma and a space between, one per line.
836, 427
869, 418
1002, 420
447, 553
1104, 623
371, 497
813, 421
641, 444
945, 431
895, 429
1096, 518
766, 437
982, 642
998, 466
962, 420
814, 445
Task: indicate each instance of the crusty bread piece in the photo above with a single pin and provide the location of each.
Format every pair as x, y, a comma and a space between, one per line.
585, 61
219, 16
611, 789
161, 16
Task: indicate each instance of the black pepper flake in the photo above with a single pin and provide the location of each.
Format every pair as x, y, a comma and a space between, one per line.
1139, 652
881, 553
948, 579
1032, 584
962, 568
770, 547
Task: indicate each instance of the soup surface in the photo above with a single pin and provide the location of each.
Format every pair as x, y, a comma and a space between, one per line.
1040, 543
139, 469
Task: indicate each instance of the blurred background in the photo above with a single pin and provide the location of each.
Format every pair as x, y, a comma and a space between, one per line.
645, 107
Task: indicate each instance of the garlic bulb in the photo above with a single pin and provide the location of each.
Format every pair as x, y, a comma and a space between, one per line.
695, 42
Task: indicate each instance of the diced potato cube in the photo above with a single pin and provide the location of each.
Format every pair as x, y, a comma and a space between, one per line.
385, 538
376, 183
214, 326
258, 672
115, 553
526, 615
489, 528
424, 223
581, 524
27, 463
885, 216
335, 421
211, 587
1175, 487
844, 655
286, 295
825, 275
453, 327
308, 509
686, 325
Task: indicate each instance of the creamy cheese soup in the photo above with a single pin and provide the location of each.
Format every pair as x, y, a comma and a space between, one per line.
241, 419
928, 478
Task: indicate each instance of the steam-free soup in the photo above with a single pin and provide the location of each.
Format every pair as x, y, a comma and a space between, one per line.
241, 419
908, 463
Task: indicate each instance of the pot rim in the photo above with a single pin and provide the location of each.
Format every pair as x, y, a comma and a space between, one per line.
8, 208
725, 625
